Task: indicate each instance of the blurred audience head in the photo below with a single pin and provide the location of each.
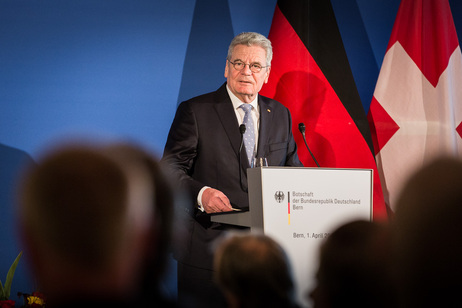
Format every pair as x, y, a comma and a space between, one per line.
354, 267
254, 271
428, 226
95, 221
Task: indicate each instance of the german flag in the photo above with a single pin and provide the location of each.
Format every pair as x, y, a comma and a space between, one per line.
311, 75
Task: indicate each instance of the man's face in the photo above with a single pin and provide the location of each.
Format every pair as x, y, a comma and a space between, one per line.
245, 84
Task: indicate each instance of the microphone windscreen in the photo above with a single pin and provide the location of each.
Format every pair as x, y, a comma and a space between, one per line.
242, 129
301, 128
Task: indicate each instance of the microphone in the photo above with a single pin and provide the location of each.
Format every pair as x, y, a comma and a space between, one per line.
242, 131
301, 128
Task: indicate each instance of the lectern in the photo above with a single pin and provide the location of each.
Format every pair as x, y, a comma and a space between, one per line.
299, 207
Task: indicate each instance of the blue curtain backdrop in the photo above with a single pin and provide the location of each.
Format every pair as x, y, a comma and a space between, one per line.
116, 69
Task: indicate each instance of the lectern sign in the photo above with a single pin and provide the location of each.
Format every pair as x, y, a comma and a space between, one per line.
299, 207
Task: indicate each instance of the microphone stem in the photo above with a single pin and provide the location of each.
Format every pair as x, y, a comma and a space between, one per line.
312, 156
242, 131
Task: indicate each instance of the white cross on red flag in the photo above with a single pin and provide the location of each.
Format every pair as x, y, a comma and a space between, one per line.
416, 111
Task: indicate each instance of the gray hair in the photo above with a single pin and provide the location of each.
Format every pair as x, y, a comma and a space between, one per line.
251, 39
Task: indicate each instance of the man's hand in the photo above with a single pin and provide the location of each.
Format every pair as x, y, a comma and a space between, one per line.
215, 201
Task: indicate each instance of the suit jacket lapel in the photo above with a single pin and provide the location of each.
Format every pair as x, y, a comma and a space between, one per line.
227, 115
266, 116
225, 111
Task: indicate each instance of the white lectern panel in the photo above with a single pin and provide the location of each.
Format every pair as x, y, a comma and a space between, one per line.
299, 207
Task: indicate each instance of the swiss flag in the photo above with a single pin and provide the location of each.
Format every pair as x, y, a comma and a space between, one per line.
416, 113
310, 74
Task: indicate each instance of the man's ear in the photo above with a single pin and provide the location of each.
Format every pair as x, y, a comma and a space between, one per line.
226, 69
268, 69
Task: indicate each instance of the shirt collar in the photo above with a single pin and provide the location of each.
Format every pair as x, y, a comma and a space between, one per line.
237, 102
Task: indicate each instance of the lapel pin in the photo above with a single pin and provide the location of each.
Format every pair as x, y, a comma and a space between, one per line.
268, 110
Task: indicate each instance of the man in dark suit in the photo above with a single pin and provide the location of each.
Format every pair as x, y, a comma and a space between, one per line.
203, 153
